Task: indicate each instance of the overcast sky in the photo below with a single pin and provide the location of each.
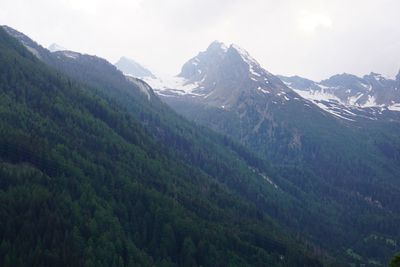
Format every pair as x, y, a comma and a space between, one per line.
310, 38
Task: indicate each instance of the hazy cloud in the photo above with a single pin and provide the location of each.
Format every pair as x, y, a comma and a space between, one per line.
311, 38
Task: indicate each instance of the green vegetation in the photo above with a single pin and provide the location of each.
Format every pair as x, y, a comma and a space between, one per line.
345, 173
93, 174
395, 261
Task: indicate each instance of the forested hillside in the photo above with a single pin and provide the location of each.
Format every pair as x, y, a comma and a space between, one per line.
348, 165
122, 175
84, 182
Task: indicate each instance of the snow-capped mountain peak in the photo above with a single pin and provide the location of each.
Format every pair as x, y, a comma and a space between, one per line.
217, 45
220, 75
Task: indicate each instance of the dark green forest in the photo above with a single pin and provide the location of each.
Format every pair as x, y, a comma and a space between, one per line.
93, 173
395, 261
85, 183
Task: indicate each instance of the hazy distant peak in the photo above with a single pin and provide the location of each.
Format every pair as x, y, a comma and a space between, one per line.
55, 47
196, 68
130, 67
217, 45
378, 76
344, 79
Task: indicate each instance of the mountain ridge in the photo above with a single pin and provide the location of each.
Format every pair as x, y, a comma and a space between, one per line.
372, 90
121, 178
340, 210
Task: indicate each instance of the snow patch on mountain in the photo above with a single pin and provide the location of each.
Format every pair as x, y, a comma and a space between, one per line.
68, 54
166, 85
394, 107
348, 96
33, 51
316, 95
354, 99
371, 102
326, 106
222, 46
264, 90
55, 47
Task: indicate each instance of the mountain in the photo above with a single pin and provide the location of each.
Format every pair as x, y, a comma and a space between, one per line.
132, 68
97, 171
229, 90
55, 47
335, 154
331, 195
346, 90
220, 71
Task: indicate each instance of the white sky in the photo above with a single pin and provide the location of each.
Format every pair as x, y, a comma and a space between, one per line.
310, 38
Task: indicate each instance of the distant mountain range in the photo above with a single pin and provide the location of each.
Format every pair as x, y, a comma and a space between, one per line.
349, 93
343, 95
372, 90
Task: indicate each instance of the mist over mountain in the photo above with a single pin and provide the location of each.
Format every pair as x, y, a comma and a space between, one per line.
55, 47
132, 68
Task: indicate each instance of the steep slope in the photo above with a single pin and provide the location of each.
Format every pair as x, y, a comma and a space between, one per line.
333, 158
130, 67
94, 173
334, 202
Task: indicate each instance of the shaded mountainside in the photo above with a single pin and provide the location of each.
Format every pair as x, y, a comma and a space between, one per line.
335, 160
95, 172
